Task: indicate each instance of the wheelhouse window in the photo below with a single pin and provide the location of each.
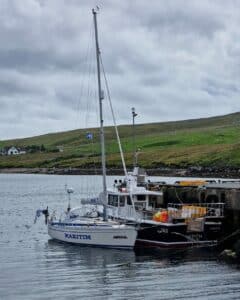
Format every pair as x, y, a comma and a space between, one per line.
129, 202
110, 200
141, 197
113, 200
122, 201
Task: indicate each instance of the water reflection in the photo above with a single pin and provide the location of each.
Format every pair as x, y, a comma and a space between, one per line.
90, 256
174, 256
36, 267
91, 267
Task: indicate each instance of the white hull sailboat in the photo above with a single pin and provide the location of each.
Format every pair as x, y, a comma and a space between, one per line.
92, 231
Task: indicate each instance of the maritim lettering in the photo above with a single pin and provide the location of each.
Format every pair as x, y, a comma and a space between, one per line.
77, 236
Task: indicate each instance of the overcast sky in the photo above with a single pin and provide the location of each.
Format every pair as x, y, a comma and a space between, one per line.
171, 60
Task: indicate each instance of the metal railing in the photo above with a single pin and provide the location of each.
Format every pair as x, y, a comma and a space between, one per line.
196, 210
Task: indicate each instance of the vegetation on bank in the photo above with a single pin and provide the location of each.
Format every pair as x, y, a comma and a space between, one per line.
211, 142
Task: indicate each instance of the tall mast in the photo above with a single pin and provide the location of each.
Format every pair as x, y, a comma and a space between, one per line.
100, 97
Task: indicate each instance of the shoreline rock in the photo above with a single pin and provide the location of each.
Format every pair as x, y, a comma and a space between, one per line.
168, 172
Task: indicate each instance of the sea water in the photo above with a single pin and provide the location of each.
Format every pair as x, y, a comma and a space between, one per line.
32, 266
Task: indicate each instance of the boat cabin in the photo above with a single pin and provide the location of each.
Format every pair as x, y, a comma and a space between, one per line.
124, 204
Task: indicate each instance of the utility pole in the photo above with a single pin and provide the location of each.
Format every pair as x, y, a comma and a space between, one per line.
134, 114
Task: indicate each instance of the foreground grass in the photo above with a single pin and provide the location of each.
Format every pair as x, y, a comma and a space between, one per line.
205, 142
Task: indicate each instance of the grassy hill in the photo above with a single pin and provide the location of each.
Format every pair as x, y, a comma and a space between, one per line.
203, 142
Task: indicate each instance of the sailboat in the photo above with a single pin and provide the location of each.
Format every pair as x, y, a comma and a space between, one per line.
92, 231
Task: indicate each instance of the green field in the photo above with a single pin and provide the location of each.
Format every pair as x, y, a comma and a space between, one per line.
201, 142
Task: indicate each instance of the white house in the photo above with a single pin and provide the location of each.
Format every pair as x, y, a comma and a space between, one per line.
13, 151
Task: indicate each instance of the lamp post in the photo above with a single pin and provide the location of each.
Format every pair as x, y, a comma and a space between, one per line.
134, 114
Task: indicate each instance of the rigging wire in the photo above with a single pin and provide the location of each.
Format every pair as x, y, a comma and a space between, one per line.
91, 100
114, 119
89, 85
84, 72
85, 102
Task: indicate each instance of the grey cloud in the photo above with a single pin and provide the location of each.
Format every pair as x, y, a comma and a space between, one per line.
160, 57
156, 79
218, 88
26, 60
8, 88
186, 21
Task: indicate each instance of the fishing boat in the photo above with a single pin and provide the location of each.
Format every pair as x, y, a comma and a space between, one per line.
91, 229
183, 225
131, 199
175, 225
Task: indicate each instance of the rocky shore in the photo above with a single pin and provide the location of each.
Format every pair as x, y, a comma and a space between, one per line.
213, 172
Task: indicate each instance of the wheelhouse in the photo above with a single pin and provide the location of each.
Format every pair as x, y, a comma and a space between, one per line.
150, 202
140, 205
